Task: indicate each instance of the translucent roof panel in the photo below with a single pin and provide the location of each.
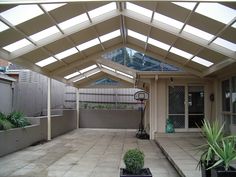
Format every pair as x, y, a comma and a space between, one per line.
49, 7
158, 44
46, 62
138, 61
3, 27
66, 53
72, 75
21, 13
136, 35
88, 69
110, 36
186, 5
234, 25
80, 78
124, 74
202, 61
181, 53
45, 33
168, 20
197, 32
226, 44
88, 44
102, 10
17, 45
108, 68
216, 11
73, 21
138, 9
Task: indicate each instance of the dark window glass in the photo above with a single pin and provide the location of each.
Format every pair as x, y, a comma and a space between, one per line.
176, 100
225, 96
234, 94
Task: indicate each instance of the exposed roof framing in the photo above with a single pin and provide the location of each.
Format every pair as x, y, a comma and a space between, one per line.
160, 30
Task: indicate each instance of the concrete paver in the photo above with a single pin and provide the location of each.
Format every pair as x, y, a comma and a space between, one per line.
84, 153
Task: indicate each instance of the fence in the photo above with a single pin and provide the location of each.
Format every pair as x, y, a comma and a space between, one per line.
102, 99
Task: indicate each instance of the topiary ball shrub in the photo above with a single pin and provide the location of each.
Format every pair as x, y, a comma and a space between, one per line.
134, 161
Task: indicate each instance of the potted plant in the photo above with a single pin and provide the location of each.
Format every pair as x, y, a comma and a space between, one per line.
134, 162
226, 153
212, 133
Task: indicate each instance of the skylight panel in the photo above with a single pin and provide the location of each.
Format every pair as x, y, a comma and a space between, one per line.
108, 68
158, 44
168, 20
181, 53
74, 21
186, 5
46, 62
202, 61
72, 75
110, 36
21, 13
234, 25
45, 33
88, 44
226, 44
17, 45
138, 9
124, 74
66, 53
93, 73
49, 7
79, 79
102, 10
136, 35
3, 27
216, 11
88, 68
197, 32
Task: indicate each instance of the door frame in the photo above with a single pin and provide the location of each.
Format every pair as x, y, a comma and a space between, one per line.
186, 85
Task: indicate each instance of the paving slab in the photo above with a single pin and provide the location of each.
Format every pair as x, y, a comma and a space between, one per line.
84, 153
181, 150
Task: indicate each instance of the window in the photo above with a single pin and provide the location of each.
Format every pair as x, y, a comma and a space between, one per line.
88, 44
197, 32
45, 33
72, 75
66, 53
228, 95
202, 61
109, 36
181, 53
158, 44
225, 96
3, 27
138, 9
73, 21
226, 44
136, 35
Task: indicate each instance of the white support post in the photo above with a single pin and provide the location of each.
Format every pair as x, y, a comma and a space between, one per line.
49, 109
77, 108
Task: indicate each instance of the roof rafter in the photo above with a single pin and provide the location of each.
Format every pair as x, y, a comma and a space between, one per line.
171, 30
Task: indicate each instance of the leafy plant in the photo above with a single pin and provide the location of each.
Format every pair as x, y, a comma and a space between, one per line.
225, 151
134, 161
213, 133
4, 123
18, 119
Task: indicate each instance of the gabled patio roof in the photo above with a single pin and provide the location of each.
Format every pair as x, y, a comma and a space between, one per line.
60, 39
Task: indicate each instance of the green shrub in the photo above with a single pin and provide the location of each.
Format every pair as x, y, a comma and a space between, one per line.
18, 119
4, 123
134, 161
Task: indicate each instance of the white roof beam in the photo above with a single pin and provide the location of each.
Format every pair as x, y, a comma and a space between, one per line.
94, 27
53, 20
81, 62
181, 35
117, 75
185, 23
218, 66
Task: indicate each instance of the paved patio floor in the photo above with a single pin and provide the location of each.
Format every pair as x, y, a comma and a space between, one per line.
84, 153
